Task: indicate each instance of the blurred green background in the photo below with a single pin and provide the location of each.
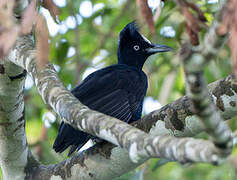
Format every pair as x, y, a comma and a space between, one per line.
86, 39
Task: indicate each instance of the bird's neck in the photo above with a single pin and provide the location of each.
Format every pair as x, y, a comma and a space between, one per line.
133, 62
139, 67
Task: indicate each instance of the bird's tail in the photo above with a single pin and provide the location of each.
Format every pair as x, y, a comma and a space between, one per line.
68, 136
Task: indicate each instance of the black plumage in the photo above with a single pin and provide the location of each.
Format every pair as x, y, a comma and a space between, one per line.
117, 90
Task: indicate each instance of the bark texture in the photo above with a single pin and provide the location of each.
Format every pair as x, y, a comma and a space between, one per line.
15, 155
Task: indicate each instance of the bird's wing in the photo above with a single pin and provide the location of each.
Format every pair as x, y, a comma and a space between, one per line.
115, 91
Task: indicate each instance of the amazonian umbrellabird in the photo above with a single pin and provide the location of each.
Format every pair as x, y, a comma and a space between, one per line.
117, 90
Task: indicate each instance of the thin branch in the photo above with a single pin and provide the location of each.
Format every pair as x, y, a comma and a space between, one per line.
193, 23
194, 62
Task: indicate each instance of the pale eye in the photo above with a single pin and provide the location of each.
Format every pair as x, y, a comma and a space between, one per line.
136, 47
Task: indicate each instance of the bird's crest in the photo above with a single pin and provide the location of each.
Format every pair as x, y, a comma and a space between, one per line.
129, 32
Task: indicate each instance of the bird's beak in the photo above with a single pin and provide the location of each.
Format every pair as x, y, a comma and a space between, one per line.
155, 48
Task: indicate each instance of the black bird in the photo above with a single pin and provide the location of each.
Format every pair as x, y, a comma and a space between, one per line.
117, 90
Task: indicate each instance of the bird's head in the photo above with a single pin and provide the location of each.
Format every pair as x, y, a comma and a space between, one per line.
134, 48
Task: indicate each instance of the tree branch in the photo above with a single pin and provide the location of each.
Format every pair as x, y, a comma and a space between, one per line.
200, 98
194, 61
15, 154
177, 117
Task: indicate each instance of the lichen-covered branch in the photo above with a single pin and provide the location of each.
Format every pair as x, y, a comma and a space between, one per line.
178, 119
194, 61
117, 162
205, 109
15, 154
